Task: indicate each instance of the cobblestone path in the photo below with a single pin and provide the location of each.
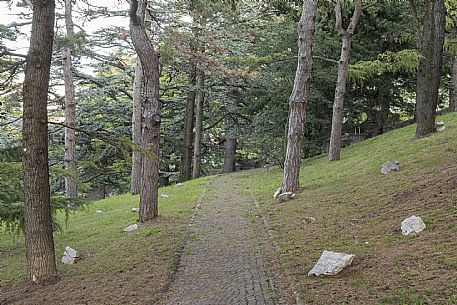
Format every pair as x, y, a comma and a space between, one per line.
221, 262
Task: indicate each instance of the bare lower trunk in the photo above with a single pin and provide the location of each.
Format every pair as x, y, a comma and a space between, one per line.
186, 157
453, 96
70, 106
230, 131
429, 73
39, 242
151, 112
199, 123
299, 97
343, 63
338, 104
135, 184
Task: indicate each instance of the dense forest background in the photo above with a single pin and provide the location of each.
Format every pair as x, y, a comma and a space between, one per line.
236, 58
99, 99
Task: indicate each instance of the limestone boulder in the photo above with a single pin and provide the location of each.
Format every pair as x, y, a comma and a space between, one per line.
413, 224
131, 228
331, 263
389, 167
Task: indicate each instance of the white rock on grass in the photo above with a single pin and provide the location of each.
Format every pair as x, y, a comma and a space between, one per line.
309, 220
390, 166
439, 126
70, 256
277, 193
68, 260
413, 224
131, 228
331, 263
285, 196
135, 210
98, 211
179, 184
164, 195
70, 252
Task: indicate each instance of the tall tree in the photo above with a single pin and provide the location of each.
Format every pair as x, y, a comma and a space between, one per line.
151, 112
186, 156
230, 130
429, 32
70, 104
137, 159
39, 242
299, 97
453, 95
196, 171
343, 63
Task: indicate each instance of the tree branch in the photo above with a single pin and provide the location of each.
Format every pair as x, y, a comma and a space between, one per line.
339, 19
416, 22
355, 17
10, 122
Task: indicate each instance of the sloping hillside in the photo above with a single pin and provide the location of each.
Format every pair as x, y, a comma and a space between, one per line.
358, 210
116, 267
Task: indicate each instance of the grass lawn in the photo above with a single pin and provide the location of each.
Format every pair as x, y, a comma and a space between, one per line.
359, 210
116, 267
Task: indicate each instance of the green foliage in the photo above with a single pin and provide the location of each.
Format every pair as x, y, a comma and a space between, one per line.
388, 62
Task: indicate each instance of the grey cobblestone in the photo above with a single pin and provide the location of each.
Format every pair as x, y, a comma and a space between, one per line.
221, 262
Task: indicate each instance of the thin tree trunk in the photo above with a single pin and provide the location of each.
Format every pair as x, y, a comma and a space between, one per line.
39, 242
135, 184
453, 96
151, 112
299, 97
199, 123
186, 157
340, 90
70, 105
230, 131
430, 44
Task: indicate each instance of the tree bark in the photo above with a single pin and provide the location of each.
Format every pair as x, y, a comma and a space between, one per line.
186, 151
340, 90
70, 105
199, 123
430, 40
299, 97
453, 96
39, 241
230, 131
137, 158
151, 112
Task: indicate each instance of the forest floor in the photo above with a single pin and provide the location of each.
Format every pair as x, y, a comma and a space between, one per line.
245, 247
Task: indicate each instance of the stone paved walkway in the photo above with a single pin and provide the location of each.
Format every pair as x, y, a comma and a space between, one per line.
221, 262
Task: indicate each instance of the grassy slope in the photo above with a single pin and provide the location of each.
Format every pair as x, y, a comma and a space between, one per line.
118, 267
359, 211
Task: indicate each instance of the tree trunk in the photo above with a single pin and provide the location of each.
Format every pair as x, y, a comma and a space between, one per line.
186, 156
39, 242
70, 105
199, 123
151, 112
135, 184
299, 97
340, 90
430, 44
230, 131
338, 107
453, 96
